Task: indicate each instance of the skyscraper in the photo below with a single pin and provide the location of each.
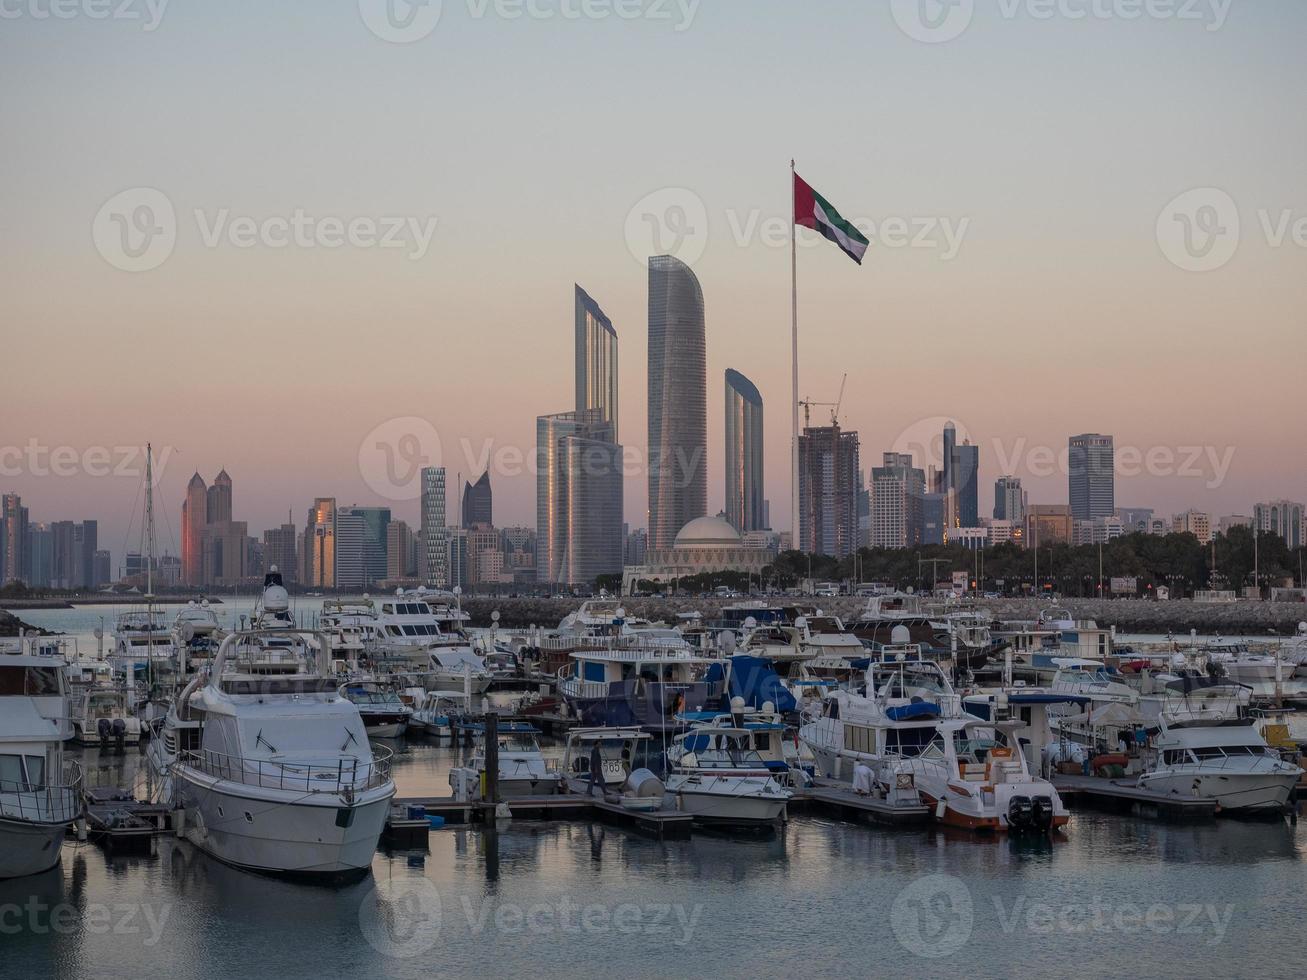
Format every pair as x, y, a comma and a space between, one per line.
195, 514
964, 471
897, 502
596, 361
320, 534
1009, 500
744, 507
478, 503
15, 534
279, 550
401, 552
946, 472
351, 537
219, 499
433, 551
829, 481
678, 410
1091, 476
1282, 517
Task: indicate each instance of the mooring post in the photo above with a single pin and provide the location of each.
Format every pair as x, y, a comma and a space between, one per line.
492, 757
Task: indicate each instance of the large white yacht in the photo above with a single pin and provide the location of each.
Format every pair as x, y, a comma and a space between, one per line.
196, 633
274, 774
718, 775
411, 636
40, 793
143, 645
1228, 761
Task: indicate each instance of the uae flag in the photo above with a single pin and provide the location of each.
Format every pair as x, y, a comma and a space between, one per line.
811, 210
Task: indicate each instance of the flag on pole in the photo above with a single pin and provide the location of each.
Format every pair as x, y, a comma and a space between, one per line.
811, 210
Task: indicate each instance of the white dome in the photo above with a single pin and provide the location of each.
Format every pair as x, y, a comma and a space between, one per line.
711, 532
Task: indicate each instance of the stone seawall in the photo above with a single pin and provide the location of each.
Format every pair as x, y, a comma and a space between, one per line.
1127, 615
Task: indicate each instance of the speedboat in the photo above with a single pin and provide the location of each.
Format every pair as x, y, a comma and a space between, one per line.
102, 715
1227, 761
384, 714
434, 712
718, 776
40, 793
615, 750
522, 768
274, 774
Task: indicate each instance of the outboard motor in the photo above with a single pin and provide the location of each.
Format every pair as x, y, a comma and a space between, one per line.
120, 733
1041, 813
105, 730
1020, 814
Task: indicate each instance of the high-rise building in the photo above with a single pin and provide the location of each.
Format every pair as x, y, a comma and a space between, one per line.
1009, 500
375, 522
1048, 524
744, 502
74, 547
934, 518
195, 514
596, 362
320, 535
897, 491
678, 410
456, 557
1228, 523
224, 553
279, 544
945, 476
578, 499
15, 538
1091, 476
433, 549
1282, 517
829, 480
483, 542
1136, 520
218, 507
637, 546
401, 551
964, 472
478, 503
100, 571
351, 538
39, 556
1193, 522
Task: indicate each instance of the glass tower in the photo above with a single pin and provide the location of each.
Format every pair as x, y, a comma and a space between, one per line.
743, 453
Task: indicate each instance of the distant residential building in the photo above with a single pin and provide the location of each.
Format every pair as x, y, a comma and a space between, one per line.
401, 551
478, 503
1283, 518
637, 546
100, 575
1009, 500
829, 480
74, 549
1098, 531
763, 539
456, 557
1001, 531
1195, 523
376, 520
351, 535
1228, 523
519, 547
14, 515
39, 556
934, 517
482, 542
744, 442
1136, 520
1049, 524
279, 548
1091, 476
897, 489
678, 411
433, 549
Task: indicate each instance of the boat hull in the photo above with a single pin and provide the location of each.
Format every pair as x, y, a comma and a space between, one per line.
1233, 792
28, 848
283, 835
727, 810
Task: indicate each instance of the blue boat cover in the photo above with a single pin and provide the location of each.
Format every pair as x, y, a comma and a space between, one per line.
913, 711
755, 680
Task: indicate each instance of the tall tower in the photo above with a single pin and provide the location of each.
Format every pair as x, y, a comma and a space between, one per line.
743, 453
596, 362
478, 503
678, 407
1091, 478
14, 516
433, 552
195, 511
219, 504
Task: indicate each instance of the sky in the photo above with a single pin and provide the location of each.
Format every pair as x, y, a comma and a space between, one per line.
1087, 215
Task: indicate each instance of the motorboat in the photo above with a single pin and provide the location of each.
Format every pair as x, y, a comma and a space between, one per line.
274, 773
522, 767
618, 774
1227, 761
410, 636
384, 714
717, 775
787, 758
350, 623
434, 712
143, 646
103, 715
40, 791
196, 633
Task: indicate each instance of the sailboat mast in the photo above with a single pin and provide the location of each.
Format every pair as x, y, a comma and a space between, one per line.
149, 565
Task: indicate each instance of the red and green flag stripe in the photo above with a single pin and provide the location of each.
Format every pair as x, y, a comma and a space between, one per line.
811, 210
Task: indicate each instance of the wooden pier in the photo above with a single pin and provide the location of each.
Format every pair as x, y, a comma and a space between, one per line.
661, 824
122, 823
1125, 795
838, 800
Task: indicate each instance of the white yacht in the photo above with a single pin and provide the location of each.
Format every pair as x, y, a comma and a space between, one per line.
1229, 762
717, 775
143, 645
196, 633
274, 774
40, 794
523, 769
349, 623
410, 636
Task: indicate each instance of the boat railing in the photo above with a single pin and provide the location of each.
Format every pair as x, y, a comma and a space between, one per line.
632, 643
52, 803
347, 773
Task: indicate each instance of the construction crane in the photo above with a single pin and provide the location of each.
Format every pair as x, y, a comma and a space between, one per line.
834, 406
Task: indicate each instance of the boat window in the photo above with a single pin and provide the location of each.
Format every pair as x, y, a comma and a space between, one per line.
1208, 752
11, 681
42, 681
934, 750
11, 773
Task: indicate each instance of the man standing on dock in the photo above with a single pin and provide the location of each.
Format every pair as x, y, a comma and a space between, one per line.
596, 771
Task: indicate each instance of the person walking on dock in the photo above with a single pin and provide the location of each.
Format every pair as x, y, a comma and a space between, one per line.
596, 771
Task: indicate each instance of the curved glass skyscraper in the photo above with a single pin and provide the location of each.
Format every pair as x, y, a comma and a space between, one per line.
743, 453
678, 405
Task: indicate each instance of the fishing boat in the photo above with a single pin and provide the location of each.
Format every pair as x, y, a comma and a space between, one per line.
1226, 761
40, 791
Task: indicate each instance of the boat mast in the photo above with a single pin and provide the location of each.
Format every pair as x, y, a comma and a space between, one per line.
149, 566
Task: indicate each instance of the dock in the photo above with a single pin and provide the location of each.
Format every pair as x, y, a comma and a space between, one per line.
660, 824
1124, 795
122, 823
838, 800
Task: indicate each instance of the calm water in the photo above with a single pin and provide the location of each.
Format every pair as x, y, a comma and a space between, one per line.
820, 898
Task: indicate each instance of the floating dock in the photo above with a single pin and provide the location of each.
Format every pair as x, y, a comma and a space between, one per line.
1125, 795
838, 800
123, 823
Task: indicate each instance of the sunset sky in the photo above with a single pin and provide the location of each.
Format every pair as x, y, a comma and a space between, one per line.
1053, 147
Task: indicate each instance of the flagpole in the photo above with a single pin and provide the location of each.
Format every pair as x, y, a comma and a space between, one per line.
794, 369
